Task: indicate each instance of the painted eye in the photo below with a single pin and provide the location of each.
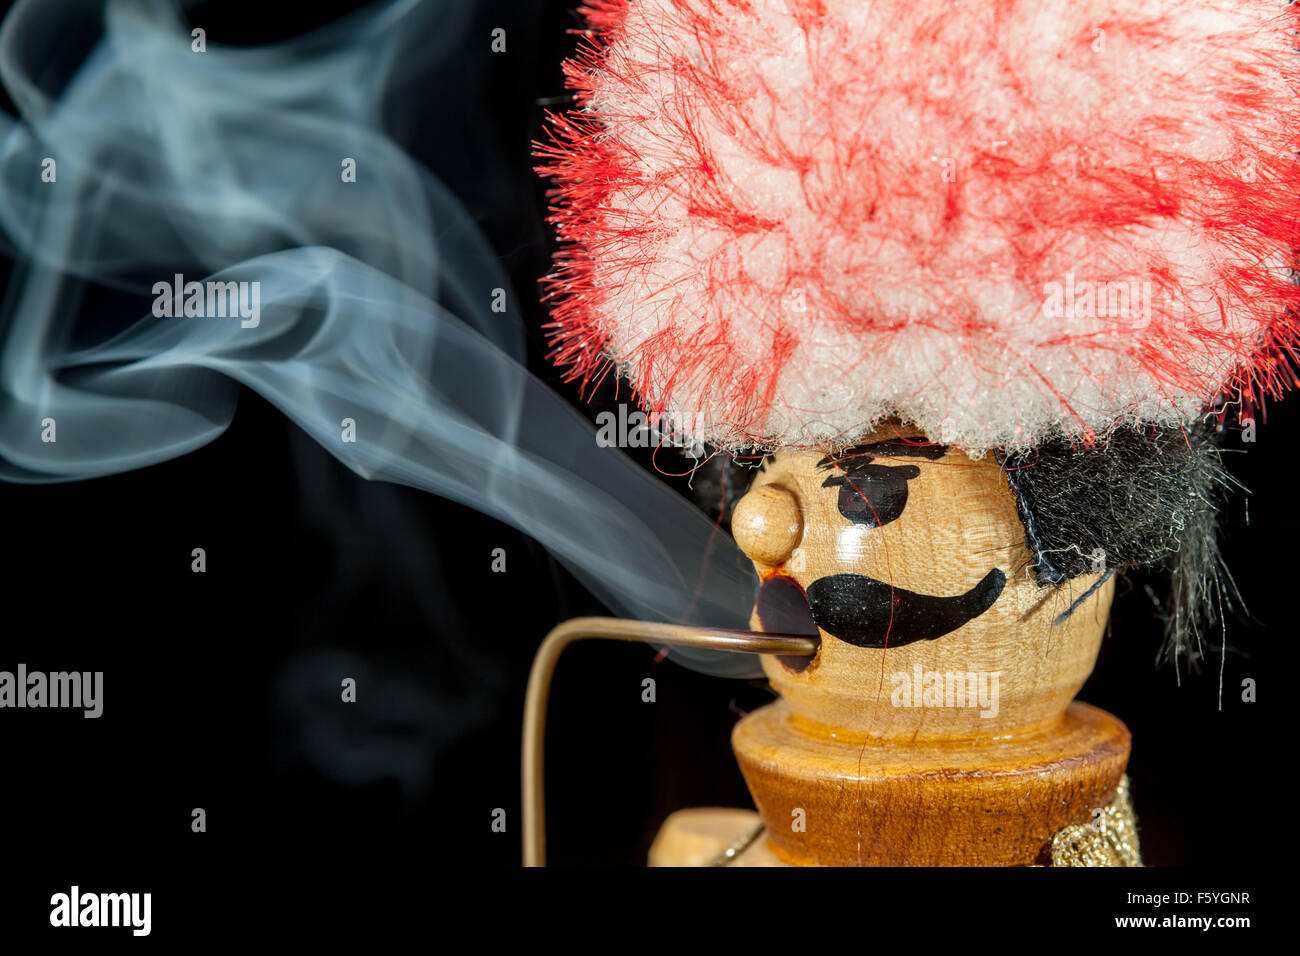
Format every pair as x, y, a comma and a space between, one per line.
872, 495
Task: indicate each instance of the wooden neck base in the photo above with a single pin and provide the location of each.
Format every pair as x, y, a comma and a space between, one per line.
831, 801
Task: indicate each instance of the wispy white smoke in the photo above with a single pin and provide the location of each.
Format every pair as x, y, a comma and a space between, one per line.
375, 295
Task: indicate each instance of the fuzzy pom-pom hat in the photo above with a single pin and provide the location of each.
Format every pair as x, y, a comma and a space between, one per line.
1005, 222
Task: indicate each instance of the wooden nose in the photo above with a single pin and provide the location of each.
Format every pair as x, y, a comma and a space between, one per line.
768, 524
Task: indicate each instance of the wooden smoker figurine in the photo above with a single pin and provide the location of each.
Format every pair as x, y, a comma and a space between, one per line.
972, 285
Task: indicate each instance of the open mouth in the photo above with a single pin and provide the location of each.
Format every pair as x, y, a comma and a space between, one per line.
783, 608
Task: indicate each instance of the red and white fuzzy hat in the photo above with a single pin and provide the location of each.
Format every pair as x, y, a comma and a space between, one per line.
1002, 221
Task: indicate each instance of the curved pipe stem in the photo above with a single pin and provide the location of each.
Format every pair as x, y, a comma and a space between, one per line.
614, 629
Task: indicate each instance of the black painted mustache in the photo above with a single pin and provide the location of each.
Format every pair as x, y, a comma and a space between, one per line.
862, 611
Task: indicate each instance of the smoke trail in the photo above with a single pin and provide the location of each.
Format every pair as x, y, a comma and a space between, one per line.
367, 305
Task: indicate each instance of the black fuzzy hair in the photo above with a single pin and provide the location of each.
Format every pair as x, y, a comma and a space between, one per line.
1145, 498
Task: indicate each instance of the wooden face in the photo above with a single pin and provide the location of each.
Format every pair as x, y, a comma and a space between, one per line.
910, 562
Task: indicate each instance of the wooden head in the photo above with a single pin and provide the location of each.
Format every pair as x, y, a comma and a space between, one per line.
913, 559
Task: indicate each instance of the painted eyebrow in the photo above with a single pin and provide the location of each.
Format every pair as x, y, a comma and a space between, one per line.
885, 449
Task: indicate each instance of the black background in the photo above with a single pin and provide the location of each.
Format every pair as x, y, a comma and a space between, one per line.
215, 691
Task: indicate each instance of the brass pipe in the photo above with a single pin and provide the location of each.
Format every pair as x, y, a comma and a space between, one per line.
614, 629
